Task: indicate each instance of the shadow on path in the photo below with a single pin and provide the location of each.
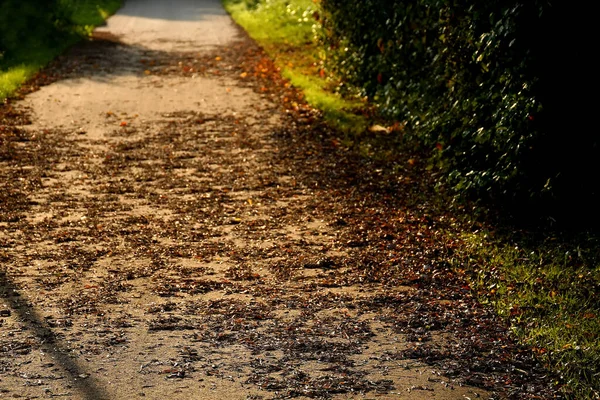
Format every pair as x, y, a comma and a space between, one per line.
105, 57
50, 343
172, 10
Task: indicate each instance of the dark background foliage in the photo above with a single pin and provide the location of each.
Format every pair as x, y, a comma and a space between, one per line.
30, 30
490, 89
19, 18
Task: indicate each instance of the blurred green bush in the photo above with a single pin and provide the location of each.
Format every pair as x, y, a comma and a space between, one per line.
20, 20
30, 27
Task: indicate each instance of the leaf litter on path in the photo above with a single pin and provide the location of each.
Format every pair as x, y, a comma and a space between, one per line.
229, 252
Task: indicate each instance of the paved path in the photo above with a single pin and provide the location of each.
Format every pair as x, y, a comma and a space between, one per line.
168, 233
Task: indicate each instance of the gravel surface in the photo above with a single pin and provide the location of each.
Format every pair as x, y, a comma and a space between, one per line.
176, 223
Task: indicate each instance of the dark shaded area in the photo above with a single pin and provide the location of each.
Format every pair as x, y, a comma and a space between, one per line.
494, 94
568, 149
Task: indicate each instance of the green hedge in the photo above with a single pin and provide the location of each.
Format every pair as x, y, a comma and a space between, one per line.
474, 80
18, 18
30, 26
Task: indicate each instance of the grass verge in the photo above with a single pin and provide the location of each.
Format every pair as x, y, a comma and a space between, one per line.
288, 31
545, 285
547, 289
38, 50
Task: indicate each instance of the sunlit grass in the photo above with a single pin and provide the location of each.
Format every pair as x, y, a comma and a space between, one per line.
13, 78
38, 51
548, 292
275, 21
335, 109
288, 32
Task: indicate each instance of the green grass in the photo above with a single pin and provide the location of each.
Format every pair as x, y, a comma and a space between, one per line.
13, 78
37, 51
548, 290
288, 31
275, 21
337, 110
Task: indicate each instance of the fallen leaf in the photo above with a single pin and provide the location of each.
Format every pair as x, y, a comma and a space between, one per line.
379, 128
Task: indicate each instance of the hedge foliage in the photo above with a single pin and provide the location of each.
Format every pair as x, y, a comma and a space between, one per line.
476, 83
18, 18
26, 25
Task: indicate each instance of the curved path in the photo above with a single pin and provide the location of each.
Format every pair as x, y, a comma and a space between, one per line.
169, 231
